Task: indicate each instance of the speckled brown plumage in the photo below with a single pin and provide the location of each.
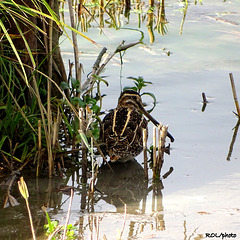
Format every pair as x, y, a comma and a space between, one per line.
124, 138
122, 128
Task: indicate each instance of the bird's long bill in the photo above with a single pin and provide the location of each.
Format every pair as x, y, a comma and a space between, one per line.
155, 122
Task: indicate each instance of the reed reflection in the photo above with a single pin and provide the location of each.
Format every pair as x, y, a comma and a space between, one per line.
124, 186
233, 140
116, 14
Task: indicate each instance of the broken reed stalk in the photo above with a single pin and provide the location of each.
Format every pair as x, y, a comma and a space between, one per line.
234, 93
145, 153
154, 153
165, 175
158, 161
162, 140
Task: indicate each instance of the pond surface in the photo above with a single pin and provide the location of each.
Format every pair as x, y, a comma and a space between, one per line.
202, 195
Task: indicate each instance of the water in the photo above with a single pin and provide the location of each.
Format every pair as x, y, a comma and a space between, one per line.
202, 194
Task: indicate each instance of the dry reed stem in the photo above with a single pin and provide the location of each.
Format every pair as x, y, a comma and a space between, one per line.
161, 149
234, 93
145, 153
84, 150
88, 84
74, 37
154, 153
159, 142
55, 132
35, 90
49, 90
39, 146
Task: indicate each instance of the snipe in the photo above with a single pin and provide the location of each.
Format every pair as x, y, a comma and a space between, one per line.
122, 128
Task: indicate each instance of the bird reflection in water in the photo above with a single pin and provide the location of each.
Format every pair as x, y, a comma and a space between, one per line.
126, 185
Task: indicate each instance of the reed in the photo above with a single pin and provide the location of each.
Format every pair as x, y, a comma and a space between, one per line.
154, 153
145, 158
159, 138
234, 93
24, 192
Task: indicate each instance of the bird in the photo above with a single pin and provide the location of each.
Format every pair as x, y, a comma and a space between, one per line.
122, 128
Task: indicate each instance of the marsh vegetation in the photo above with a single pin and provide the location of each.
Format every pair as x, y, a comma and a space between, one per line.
62, 66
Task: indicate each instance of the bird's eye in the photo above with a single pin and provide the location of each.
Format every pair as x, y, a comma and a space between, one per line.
134, 97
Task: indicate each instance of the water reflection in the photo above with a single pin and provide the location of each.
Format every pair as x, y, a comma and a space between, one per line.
125, 184
126, 189
116, 14
14, 221
233, 139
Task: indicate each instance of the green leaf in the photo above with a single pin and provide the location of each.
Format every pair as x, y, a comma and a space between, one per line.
49, 225
153, 97
14, 50
132, 88
75, 83
84, 138
95, 108
64, 85
3, 140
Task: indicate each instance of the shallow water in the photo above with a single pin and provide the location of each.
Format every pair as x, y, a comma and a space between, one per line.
202, 194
